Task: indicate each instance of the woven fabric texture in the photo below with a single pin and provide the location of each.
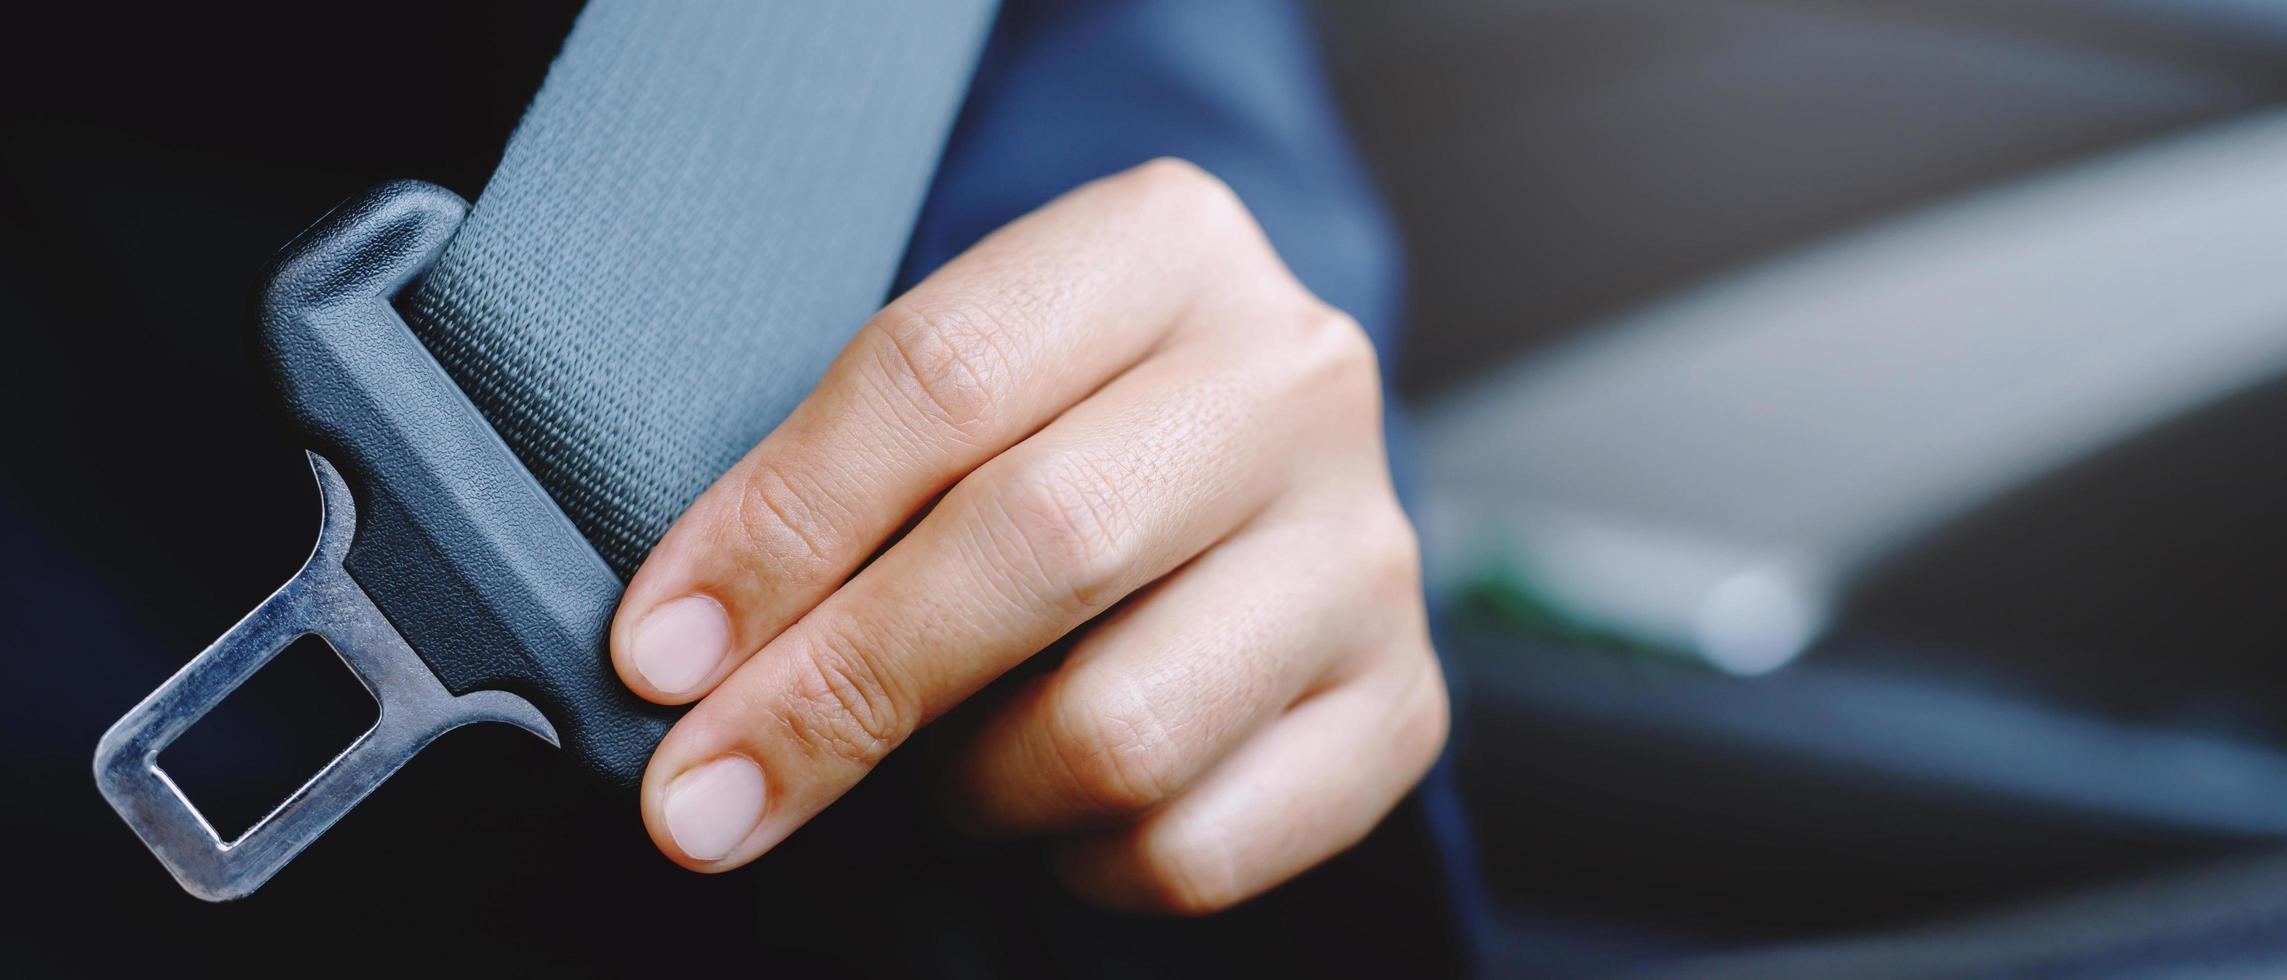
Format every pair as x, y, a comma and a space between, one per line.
700, 207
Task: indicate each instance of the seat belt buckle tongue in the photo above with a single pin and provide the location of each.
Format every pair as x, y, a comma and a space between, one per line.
320, 600
444, 576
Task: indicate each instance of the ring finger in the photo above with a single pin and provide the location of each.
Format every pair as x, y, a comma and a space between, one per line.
1156, 695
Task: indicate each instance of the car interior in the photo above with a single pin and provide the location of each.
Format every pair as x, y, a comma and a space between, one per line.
1934, 659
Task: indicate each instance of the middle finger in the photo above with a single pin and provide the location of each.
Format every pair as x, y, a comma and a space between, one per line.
1161, 464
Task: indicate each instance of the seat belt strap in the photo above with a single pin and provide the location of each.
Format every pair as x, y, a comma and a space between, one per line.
700, 206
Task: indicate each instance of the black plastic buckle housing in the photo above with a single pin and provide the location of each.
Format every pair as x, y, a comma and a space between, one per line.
438, 545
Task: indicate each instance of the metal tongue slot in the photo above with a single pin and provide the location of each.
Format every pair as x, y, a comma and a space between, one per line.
320, 600
446, 578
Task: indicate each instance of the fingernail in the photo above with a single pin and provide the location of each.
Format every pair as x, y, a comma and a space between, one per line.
679, 644
712, 808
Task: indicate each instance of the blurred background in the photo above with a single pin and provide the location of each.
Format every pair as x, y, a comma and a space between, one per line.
1846, 435
1924, 356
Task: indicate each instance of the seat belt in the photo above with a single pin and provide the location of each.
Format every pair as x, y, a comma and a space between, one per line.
506, 404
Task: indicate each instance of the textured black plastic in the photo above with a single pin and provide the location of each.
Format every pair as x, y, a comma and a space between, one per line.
456, 542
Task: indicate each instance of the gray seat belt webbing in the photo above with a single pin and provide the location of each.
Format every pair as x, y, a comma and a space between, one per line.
673, 246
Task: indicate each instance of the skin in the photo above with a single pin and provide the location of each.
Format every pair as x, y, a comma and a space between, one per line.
1122, 399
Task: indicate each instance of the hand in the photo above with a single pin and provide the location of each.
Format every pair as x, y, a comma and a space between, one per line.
1124, 396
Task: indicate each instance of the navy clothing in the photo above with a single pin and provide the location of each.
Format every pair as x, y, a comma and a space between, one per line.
148, 502
1068, 92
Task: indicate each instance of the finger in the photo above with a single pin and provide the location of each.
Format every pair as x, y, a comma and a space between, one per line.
1158, 694
1310, 786
1125, 487
978, 356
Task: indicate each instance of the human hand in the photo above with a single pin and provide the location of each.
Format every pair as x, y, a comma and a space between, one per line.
1122, 396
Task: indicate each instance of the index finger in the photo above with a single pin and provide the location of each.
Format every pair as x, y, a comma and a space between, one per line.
975, 358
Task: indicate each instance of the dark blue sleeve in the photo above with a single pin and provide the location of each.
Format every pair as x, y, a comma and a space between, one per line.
1071, 91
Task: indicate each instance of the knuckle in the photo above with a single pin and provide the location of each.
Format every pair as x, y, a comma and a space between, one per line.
1322, 354
1072, 527
1185, 874
1426, 717
1394, 549
1336, 349
949, 360
1184, 188
1180, 179
843, 706
1116, 751
786, 526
